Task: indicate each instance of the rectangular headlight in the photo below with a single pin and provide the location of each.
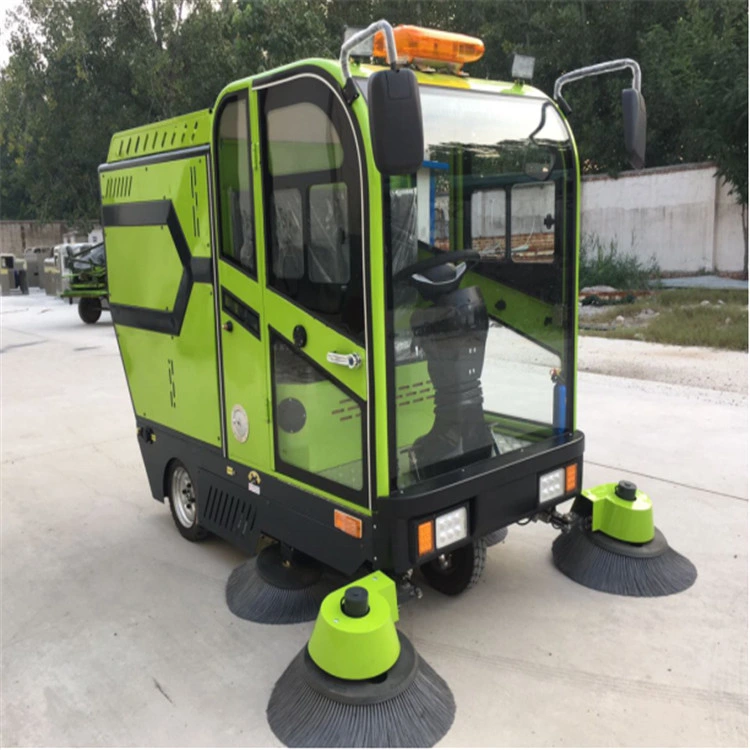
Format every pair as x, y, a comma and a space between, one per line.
451, 527
551, 485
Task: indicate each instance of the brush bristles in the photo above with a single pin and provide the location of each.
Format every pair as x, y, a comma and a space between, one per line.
585, 562
251, 598
418, 717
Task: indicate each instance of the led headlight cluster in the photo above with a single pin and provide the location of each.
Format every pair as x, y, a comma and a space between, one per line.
450, 527
552, 485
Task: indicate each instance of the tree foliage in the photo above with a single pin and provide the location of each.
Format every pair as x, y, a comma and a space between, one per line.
80, 70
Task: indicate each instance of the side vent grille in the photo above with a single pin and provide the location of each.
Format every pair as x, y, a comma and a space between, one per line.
117, 187
226, 511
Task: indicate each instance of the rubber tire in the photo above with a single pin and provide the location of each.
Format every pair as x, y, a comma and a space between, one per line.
194, 533
89, 309
467, 567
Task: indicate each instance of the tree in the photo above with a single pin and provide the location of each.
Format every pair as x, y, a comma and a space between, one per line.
700, 90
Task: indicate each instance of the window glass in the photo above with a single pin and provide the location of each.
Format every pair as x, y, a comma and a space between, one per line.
318, 426
288, 251
488, 209
481, 346
302, 138
532, 223
235, 184
329, 256
314, 221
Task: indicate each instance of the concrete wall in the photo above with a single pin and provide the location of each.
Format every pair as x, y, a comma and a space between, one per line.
16, 236
683, 216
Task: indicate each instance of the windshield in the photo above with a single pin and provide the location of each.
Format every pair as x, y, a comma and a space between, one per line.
480, 244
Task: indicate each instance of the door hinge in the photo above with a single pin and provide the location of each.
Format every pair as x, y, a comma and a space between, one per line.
256, 156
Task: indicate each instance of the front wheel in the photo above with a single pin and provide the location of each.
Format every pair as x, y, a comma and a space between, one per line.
182, 503
454, 572
89, 309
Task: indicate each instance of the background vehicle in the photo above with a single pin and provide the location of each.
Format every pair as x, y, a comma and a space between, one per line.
87, 281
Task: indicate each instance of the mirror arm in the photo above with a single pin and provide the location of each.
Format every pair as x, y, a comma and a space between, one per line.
357, 39
610, 66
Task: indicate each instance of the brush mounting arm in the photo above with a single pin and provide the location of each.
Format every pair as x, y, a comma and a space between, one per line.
611, 66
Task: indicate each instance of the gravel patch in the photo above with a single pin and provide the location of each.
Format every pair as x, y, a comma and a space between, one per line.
695, 366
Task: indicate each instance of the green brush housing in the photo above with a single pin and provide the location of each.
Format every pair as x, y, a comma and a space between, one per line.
357, 646
615, 514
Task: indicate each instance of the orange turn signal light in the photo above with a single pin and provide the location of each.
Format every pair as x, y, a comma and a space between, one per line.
571, 478
430, 45
425, 538
348, 524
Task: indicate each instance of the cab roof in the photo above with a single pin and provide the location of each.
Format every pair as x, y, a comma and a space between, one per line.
452, 81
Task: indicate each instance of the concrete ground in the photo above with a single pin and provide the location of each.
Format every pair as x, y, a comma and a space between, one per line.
704, 282
115, 630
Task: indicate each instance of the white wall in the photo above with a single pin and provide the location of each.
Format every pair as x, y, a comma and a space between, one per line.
683, 216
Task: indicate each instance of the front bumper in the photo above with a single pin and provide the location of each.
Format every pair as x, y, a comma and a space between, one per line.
497, 493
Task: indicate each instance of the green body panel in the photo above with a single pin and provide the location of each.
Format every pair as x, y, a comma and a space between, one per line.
376, 298
244, 359
89, 289
358, 648
284, 316
626, 520
522, 312
172, 379
133, 280
186, 131
244, 356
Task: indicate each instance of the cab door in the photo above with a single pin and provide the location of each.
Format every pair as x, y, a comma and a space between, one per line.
315, 299
239, 297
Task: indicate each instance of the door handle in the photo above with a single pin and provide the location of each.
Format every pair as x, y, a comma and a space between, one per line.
352, 361
228, 326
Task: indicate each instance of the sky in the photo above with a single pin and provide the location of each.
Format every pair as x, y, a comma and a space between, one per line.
5, 6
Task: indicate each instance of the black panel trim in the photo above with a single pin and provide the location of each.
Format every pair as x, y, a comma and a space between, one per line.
145, 214
202, 270
245, 316
287, 513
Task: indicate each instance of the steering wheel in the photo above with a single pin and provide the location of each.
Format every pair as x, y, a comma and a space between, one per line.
405, 274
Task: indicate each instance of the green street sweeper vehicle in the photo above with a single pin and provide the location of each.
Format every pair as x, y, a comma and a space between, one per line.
87, 282
346, 303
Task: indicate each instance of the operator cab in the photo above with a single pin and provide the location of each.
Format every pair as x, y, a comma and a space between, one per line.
479, 247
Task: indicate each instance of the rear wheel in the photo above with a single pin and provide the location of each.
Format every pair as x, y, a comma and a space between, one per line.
182, 503
89, 309
458, 570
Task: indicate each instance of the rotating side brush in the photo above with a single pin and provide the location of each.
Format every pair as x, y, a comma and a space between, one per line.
613, 545
359, 682
278, 587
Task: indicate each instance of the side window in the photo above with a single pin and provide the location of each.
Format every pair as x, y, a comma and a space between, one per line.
313, 217
234, 182
488, 210
533, 223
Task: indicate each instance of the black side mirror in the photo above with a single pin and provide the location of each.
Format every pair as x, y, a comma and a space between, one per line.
396, 121
634, 110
